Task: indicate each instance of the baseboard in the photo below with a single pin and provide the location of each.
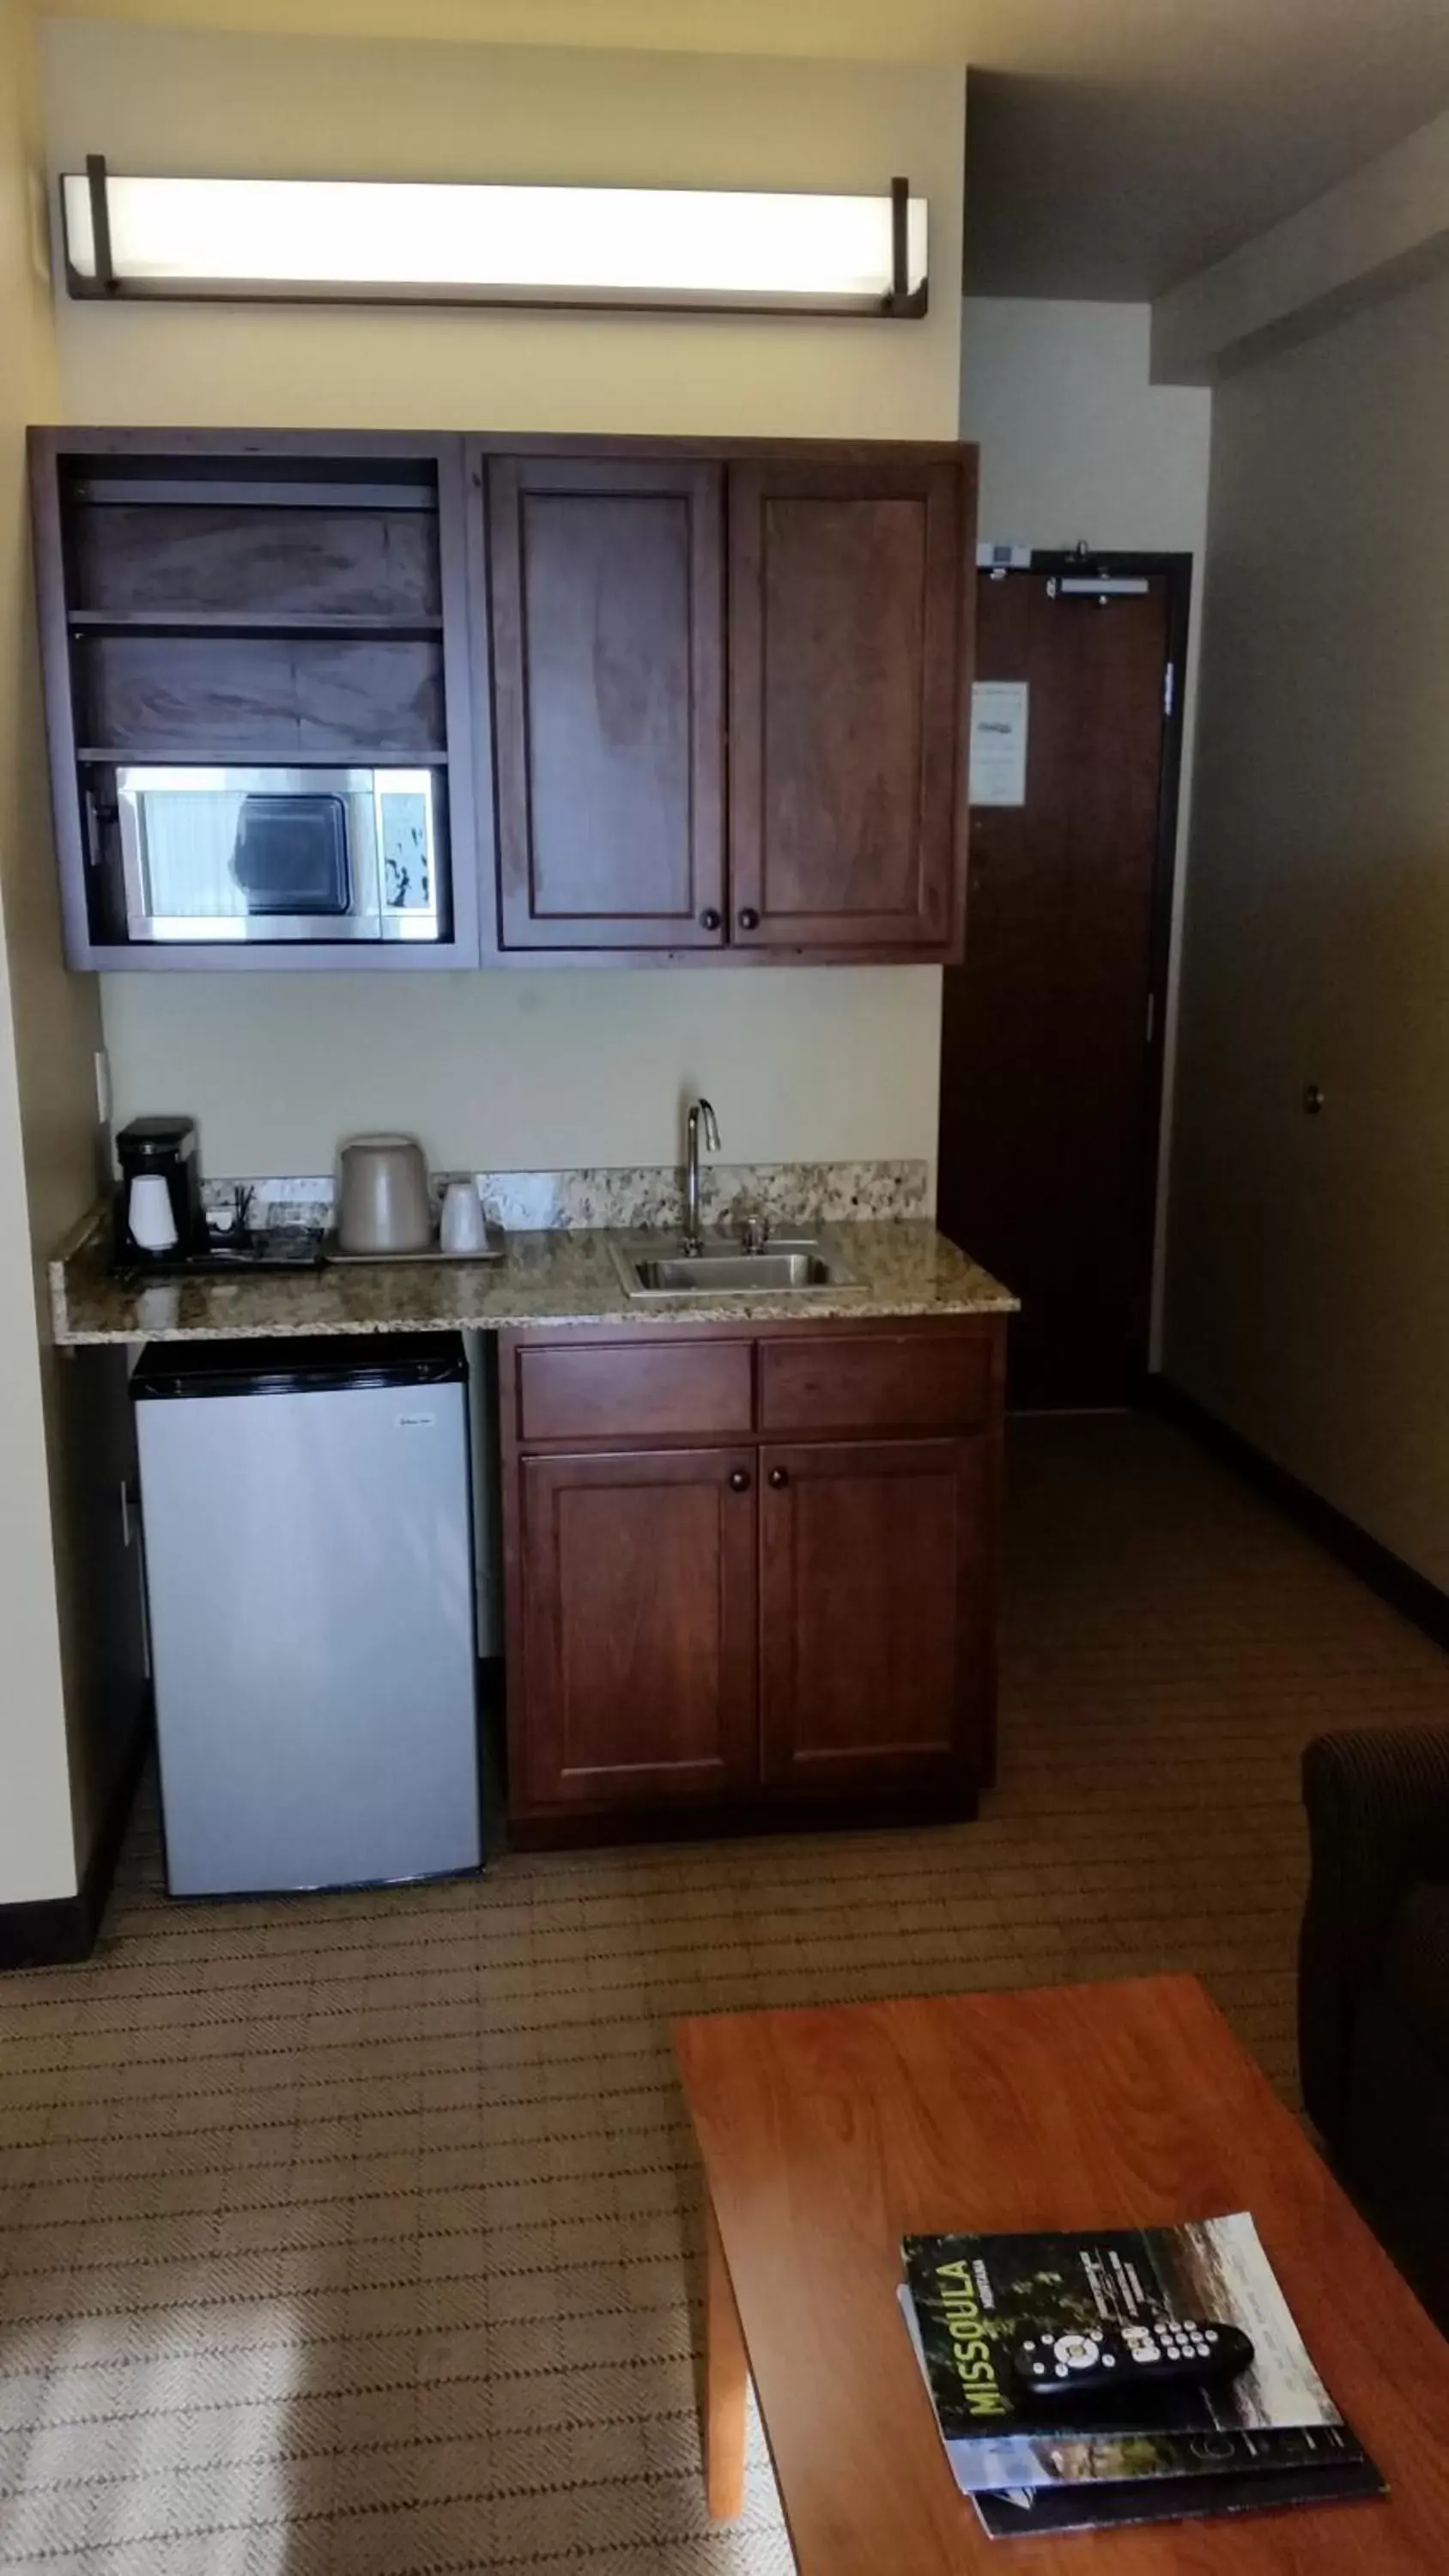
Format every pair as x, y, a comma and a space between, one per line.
1400, 1584
57, 1931
50, 1933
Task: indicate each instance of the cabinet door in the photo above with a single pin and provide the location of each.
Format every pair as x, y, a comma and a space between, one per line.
639, 1619
606, 583
876, 1575
847, 703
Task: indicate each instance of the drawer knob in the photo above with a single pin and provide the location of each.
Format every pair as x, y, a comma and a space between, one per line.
739, 1480
749, 918
778, 1478
709, 919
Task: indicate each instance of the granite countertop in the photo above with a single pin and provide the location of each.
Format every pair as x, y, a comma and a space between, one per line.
903, 1267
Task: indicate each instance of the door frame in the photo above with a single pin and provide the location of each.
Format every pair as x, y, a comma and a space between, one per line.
1176, 571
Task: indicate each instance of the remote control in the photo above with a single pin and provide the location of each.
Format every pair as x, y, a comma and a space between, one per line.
1141, 2355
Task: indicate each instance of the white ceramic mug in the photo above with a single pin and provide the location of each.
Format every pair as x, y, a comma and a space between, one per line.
464, 1227
149, 1213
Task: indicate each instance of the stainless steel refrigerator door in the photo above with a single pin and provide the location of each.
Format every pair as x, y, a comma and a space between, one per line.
310, 1570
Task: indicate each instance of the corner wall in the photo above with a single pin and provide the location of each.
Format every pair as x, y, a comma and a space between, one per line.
1308, 1291
554, 1067
62, 1427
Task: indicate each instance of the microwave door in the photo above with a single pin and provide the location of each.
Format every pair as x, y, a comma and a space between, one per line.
176, 857
258, 855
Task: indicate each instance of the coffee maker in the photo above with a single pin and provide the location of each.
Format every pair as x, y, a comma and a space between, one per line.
159, 1219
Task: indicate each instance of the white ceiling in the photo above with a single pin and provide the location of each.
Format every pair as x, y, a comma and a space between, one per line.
1114, 147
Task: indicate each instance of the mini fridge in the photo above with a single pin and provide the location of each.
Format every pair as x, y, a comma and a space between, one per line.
307, 1510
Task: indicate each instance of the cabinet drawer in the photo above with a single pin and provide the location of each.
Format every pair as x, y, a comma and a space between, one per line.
919, 1382
635, 1391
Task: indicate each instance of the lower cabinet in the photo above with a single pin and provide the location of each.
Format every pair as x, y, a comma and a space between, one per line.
704, 1623
639, 1626
874, 1612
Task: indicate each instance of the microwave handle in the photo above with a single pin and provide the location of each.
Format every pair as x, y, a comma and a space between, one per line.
103, 816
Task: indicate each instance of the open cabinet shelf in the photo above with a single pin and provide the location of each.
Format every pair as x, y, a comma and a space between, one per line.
292, 602
222, 621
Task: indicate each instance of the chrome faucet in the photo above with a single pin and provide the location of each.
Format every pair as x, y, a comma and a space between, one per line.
693, 1240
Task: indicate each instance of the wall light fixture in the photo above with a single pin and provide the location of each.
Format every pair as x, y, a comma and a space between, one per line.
400, 242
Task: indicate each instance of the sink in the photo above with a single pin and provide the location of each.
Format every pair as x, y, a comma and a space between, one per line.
786, 1266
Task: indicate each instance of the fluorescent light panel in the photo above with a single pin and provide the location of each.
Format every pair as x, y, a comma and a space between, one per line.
320, 239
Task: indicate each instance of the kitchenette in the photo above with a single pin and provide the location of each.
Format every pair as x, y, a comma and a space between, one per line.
702, 1458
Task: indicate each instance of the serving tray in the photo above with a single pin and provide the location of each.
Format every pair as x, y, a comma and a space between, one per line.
332, 1253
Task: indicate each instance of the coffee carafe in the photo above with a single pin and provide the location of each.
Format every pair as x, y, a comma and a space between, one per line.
159, 1219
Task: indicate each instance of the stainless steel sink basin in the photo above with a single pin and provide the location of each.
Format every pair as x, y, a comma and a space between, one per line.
784, 1267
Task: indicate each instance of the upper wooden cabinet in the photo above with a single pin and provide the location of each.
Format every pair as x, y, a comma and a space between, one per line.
820, 602
676, 700
609, 700
847, 720
261, 632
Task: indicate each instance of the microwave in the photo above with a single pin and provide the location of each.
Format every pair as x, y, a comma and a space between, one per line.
280, 854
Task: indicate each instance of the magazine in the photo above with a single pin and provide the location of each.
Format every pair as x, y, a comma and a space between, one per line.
969, 2299
1336, 2471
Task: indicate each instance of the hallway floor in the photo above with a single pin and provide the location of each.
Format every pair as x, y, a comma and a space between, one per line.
358, 2233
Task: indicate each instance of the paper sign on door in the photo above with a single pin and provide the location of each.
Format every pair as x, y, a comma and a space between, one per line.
999, 711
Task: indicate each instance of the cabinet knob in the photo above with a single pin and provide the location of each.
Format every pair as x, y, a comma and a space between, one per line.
778, 1478
739, 1480
749, 918
709, 919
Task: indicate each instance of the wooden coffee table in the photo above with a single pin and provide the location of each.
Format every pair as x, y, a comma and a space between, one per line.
828, 2135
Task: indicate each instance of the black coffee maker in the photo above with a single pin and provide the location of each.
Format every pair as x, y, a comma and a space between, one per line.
159, 1220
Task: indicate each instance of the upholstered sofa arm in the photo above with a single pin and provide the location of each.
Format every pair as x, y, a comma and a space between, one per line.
1378, 1819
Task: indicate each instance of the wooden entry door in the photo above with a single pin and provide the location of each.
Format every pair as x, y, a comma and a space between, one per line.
1051, 1032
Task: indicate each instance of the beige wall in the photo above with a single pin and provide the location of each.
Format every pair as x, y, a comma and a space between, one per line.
909, 31
549, 1067
1382, 229
533, 1072
62, 1427
1308, 1294
1076, 442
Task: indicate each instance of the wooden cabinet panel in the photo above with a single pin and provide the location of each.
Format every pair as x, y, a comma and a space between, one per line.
847, 699
874, 1610
191, 558
639, 1634
272, 699
608, 683
919, 1382
635, 1391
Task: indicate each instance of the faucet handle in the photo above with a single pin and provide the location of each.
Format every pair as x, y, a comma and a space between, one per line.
754, 1233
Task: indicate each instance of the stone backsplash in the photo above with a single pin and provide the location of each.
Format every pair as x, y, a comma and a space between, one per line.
631, 1196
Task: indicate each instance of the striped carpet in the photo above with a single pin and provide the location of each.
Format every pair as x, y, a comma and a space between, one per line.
359, 2233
